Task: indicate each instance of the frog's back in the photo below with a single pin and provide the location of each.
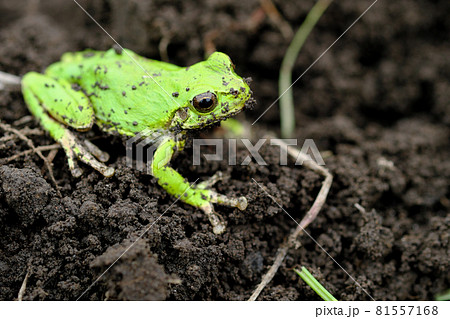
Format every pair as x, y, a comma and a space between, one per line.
126, 90
76, 66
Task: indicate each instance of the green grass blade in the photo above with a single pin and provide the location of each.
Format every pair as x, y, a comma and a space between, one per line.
287, 115
443, 296
314, 284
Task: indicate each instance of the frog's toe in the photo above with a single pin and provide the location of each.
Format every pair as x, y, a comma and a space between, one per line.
75, 170
219, 229
104, 157
109, 172
215, 219
240, 202
98, 153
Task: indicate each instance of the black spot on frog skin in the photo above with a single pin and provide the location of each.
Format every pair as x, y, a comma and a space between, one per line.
175, 94
88, 55
135, 123
118, 64
125, 111
133, 87
55, 100
46, 85
80, 107
124, 93
100, 86
140, 84
98, 68
234, 92
80, 66
112, 111
106, 70
187, 89
187, 69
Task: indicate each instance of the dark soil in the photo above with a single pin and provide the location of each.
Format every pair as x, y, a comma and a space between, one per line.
380, 95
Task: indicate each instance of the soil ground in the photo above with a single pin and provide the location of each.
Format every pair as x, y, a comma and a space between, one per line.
378, 101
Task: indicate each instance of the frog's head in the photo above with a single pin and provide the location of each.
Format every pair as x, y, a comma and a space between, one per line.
213, 93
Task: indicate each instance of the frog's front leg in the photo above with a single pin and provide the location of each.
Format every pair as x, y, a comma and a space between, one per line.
54, 103
176, 185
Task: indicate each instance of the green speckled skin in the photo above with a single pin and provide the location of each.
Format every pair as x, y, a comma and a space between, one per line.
108, 89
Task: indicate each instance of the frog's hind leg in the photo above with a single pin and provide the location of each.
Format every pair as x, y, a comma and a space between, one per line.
217, 177
53, 102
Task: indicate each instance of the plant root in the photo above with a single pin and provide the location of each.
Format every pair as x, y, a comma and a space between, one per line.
20, 135
310, 216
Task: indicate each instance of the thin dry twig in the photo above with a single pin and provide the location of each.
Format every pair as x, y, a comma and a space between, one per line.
51, 156
277, 19
9, 81
39, 148
307, 219
24, 131
53, 152
23, 287
23, 120
8, 128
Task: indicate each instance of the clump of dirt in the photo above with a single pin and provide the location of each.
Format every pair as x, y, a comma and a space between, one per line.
378, 102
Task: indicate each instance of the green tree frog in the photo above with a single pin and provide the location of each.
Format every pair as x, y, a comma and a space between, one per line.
109, 90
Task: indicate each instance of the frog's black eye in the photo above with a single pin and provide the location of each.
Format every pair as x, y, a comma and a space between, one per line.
204, 102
